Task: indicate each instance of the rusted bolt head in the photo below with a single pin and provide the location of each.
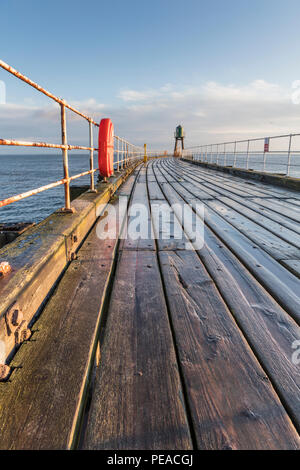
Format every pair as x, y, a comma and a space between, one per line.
4, 372
25, 335
14, 317
22, 333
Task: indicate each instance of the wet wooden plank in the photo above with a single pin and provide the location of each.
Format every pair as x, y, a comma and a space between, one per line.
233, 405
137, 401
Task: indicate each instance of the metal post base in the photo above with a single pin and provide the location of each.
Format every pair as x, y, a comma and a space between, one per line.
64, 210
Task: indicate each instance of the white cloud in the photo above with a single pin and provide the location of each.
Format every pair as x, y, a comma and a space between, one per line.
212, 112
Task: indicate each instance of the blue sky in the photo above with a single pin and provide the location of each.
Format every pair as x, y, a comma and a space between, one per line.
222, 68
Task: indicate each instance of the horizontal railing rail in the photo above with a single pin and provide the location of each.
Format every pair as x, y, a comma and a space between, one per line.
276, 154
125, 153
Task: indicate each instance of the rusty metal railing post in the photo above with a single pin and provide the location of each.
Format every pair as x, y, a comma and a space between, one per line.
118, 155
123, 154
92, 180
234, 160
247, 161
289, 157
67, 207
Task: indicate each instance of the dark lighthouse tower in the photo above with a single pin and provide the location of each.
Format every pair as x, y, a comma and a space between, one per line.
179, 136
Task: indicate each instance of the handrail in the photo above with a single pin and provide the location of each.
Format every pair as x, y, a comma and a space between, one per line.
127, 151
255, 139
221, 152
60, 101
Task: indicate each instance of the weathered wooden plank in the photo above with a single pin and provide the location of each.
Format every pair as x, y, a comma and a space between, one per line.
233, 405
267, 191
139, 228
258, 188
293, 201
41, 404
126, 188
167, 230
272, 244
282, 284
137, 400
289, 210
249, 203
226, 187
287, 229
214, 182
154, 190
269, 329
293, 265
199, 193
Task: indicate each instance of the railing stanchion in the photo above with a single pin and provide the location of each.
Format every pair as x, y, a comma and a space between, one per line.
265, 160
247, 162
67, 207
118, 154
234, 160
289, 157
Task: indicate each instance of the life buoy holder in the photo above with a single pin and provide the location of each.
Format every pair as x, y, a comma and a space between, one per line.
106, 148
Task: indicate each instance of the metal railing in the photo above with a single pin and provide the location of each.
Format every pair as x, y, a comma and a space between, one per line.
125, 153
277, 154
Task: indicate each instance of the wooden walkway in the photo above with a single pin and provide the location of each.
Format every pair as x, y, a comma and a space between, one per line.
196, 345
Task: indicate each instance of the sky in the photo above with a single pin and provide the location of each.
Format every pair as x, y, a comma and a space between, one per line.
225, 70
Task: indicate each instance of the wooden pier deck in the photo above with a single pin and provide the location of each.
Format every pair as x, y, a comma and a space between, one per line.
196, 344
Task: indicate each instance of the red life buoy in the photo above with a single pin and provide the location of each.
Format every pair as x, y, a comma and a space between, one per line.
106, 148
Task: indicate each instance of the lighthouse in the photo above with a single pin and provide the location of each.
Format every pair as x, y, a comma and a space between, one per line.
179, 136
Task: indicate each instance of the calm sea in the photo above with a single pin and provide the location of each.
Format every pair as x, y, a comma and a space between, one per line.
20, 173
